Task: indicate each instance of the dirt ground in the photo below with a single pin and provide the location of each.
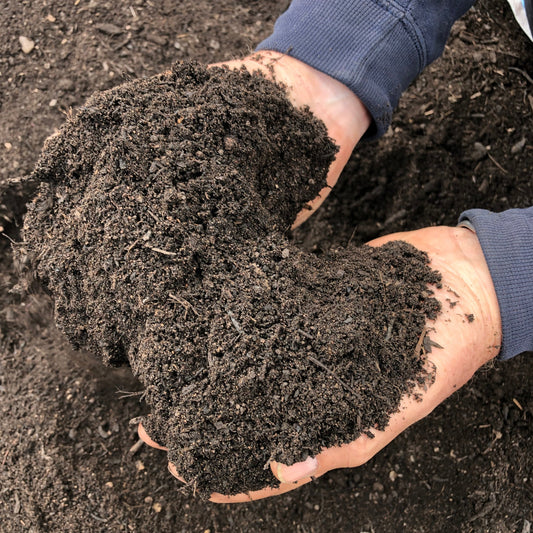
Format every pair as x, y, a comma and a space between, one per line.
461, 138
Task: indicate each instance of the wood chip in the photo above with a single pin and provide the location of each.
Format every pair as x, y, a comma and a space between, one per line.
109, 29
517, 403
160, 251
136, 447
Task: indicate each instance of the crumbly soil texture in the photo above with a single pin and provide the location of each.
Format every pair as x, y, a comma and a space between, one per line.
159, 230
69, 459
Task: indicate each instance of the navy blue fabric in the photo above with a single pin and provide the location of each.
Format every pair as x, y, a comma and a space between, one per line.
375, 47
507, 242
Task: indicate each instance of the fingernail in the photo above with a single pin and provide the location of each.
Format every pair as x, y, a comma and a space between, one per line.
297, 471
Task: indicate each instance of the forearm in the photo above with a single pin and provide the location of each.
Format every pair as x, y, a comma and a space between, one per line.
376, 48
507, 242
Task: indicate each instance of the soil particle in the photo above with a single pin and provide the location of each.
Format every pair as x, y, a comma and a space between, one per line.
159, 229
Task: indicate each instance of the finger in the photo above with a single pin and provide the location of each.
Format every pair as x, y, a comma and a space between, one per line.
259, 494
174, 472
296, 471
307, 471
147, 440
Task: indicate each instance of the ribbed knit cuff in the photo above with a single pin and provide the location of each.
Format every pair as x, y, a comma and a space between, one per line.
375, 47
507, 242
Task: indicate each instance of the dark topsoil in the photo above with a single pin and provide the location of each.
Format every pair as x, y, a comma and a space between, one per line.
64, 460
159, 230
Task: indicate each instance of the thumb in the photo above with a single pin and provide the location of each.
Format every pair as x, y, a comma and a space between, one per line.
295, 472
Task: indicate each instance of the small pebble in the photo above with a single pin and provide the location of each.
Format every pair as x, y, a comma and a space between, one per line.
8, 146
285, 253
139, 465
378, 487
26, 44
109, 484
479, 151
518, 146
50, 18
157, 507
109, 29
52, 102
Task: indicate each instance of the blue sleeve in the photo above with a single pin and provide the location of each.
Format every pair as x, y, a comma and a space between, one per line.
375, 47
507, 242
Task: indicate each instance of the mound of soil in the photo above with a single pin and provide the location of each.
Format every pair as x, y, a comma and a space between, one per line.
160, 231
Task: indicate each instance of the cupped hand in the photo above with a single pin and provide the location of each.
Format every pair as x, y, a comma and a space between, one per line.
468, 329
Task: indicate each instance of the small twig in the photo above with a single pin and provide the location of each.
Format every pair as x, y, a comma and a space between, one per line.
131, 246
184, 303
129, 394
99, 518
5, 457
518, 404
351, 236
389, 330
9, 238
305, 334
160, 251
497, 164
329, 371
136, 447
420, 341
235, 322
523, 72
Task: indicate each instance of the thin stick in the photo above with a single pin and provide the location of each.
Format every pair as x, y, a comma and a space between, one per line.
234, 321
164, 252
322, 365
523, 72
497, 164
183, 302
420, 341
136, 447
305, 334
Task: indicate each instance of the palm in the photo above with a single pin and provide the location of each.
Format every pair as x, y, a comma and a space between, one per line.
466, 345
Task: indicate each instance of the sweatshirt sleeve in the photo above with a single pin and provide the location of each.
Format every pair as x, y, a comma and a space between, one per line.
375, 47
507, 242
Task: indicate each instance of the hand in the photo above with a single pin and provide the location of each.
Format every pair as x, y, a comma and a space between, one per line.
466, 346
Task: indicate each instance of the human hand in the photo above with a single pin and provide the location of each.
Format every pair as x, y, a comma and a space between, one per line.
467, 291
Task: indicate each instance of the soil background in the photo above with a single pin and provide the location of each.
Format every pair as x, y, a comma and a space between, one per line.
461, 138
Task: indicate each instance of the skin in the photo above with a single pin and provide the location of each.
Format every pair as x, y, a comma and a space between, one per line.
454, 252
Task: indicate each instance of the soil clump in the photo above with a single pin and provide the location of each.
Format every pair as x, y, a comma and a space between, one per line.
159, 229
